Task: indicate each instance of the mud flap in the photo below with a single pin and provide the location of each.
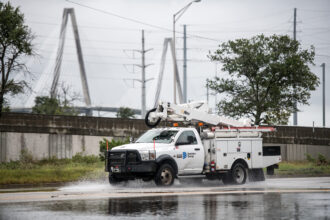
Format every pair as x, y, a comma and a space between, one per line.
271, 169
256, 175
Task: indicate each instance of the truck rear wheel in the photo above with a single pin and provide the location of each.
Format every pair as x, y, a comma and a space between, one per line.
165, 175
237, 175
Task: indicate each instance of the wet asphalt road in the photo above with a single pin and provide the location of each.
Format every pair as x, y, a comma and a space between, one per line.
290, 198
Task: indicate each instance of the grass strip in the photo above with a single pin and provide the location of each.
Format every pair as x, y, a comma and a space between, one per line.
91, 168
47, 174
302, 168
52, 170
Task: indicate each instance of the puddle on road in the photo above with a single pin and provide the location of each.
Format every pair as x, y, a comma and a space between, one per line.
249, 206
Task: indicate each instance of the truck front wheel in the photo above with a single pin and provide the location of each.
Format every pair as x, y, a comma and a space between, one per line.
113, 180
165, 175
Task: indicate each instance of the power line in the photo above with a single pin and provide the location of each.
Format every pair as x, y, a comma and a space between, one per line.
77, 76
86, 26
94, 40
243, 20
315, 11
137, 21
92, 62
237, 31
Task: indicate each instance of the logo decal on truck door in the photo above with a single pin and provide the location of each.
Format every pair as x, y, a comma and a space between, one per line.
191, 155
184, 155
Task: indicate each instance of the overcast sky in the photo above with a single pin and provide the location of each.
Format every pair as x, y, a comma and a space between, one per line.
107, 44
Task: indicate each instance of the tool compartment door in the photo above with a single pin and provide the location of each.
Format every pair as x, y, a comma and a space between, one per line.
221, 151
257, 157
239, 148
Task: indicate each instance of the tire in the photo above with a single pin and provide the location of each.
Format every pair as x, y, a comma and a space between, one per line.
146, 119
113, 180
237, 175
165, 175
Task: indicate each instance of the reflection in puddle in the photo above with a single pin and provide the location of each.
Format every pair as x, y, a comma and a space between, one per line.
257, 206
163, 206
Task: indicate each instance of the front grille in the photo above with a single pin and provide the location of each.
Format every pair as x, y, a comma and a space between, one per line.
117, 158
132, 158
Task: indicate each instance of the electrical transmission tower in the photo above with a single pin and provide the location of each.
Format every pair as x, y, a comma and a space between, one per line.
59, 56
143, 79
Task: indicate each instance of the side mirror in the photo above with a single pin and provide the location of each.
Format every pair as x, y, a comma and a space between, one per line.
131, 139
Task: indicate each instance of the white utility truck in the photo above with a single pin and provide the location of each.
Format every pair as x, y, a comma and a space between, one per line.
232, 151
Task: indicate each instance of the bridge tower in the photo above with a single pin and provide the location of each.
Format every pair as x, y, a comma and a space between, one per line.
57, 69
168, 41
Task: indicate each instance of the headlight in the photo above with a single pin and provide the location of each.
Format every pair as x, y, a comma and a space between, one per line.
144, 155
148, 155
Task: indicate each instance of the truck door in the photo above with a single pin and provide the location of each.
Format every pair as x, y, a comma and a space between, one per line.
191, 157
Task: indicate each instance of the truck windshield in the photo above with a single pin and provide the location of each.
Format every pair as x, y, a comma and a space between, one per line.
159, 136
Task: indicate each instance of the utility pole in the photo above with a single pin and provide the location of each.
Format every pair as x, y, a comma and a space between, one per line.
176, 17
207, 93
295, 115
143, 78
323, 91
184, 64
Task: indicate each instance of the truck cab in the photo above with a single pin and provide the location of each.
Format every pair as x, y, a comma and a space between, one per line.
180, 148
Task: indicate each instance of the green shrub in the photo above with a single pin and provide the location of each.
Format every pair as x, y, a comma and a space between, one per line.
111, 144
321, 160
310, 158
79, 158
26, 157
12, 165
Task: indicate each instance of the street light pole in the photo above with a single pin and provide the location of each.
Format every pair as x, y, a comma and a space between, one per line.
323, 93
176, 17
174, 62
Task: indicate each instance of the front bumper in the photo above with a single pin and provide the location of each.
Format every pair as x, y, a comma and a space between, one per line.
128, 163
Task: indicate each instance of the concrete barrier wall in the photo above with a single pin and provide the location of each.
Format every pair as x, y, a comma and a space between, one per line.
47, 145
45, 136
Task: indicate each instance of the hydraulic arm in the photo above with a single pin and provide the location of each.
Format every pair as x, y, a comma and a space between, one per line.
189, 112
